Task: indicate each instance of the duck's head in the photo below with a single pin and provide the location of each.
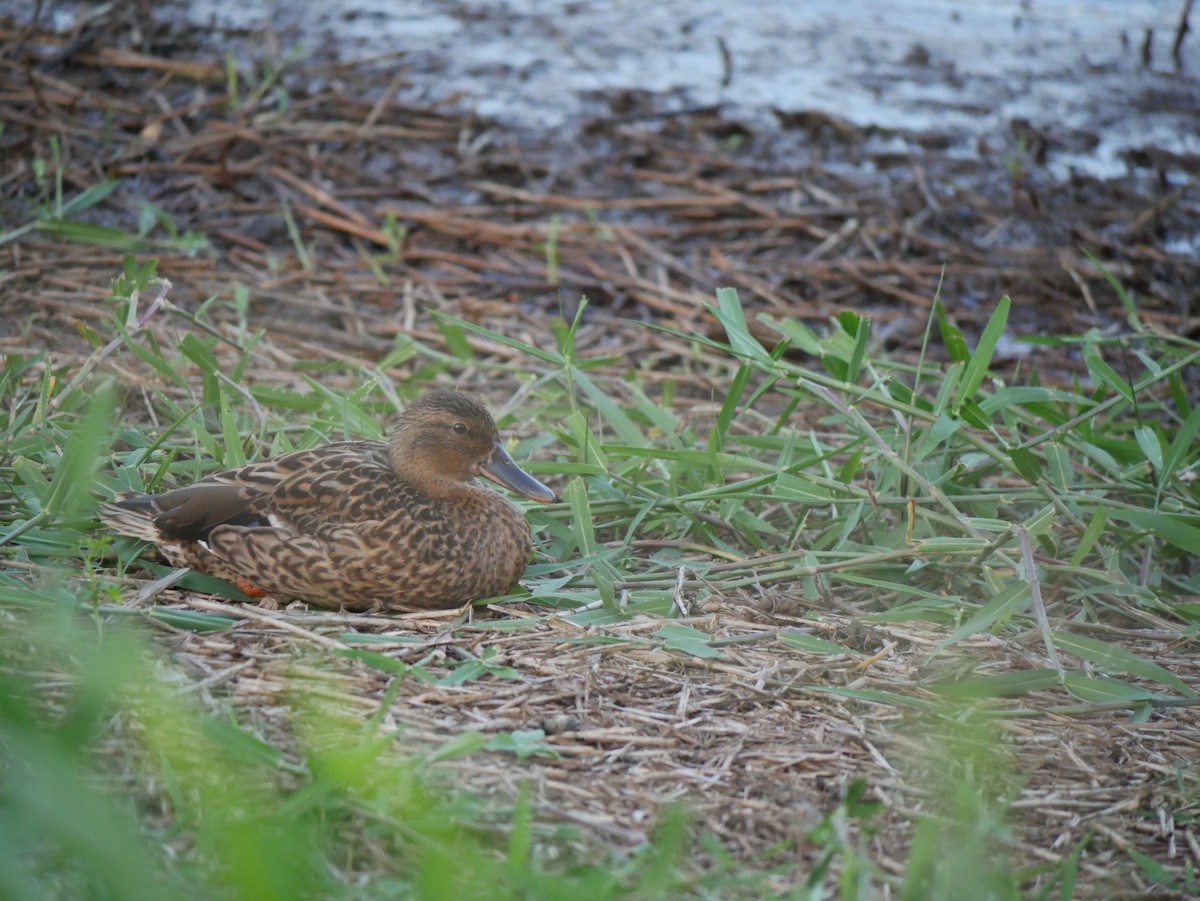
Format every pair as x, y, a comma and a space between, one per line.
447, 438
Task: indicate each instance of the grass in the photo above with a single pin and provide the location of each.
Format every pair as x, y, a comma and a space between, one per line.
973, 499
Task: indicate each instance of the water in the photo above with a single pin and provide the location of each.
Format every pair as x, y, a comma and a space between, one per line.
964, 67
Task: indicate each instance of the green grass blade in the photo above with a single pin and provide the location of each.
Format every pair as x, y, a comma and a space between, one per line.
1104, 690
72, 484
952, 338
1166, 528
1006, 602
1002, 685
1112, 658
732, 317
981, 360
1104, 374
554, 359
1181, 447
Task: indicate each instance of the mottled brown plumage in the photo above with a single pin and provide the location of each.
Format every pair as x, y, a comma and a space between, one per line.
357, 524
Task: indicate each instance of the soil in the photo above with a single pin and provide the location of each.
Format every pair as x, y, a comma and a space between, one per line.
805, 209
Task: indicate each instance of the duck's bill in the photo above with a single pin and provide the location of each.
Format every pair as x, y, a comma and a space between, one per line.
501, 469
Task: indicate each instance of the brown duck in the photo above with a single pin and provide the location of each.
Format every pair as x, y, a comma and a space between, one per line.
356, 524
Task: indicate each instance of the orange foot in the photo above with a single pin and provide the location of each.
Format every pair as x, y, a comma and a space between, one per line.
248, 588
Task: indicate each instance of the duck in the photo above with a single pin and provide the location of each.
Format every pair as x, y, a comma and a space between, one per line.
357, 525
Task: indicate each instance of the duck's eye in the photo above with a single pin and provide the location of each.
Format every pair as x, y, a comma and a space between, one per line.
460, 428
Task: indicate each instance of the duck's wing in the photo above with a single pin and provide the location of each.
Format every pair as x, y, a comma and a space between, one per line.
297, 492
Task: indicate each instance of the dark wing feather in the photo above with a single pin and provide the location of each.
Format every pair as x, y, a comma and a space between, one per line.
295, 491
190, 514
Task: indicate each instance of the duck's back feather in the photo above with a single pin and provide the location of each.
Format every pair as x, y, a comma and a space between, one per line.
337, 526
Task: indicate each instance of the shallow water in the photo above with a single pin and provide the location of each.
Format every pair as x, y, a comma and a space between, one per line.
963, 67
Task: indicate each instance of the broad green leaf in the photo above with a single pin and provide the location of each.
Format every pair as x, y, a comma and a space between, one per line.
576, 496
459, 746
376, 660
1004, 604
1103, 373
1180, 534
1021, 395
534, 352
155, 360
610, 412
1104, 690
1152, 869
199, 353
1148, 440
286, 398
602, 572
70, 490
981, 359
1041, 520
524, 743
1026, 463
94, 235
1115, 659
862, 335
802, 337
1180, 449
952, 338
503, 625
801, 488
729, 313
1002, 685
1189, 612
688, 640
890, 698
89, 197
235, 454
813, 644
1115, 284
199, 582
1058, 461
239, 746
191, 620
367, 639
733, 396
1093, 531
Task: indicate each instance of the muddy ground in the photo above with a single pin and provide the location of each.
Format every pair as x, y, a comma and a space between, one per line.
805, 210
403, 199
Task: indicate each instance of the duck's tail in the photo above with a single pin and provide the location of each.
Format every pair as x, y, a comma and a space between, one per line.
133, 515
